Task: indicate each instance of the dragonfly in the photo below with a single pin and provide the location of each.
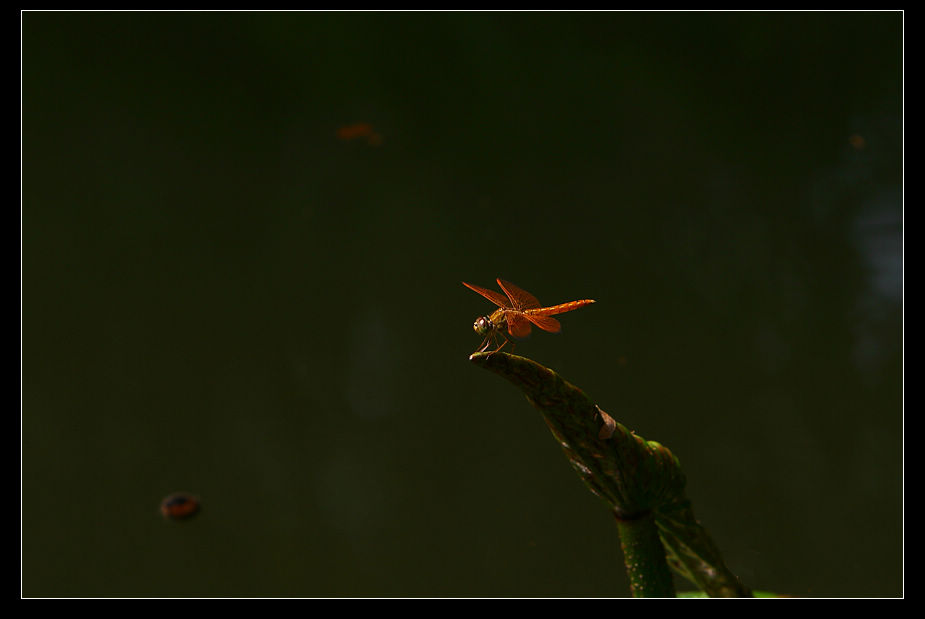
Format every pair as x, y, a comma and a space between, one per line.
518, 311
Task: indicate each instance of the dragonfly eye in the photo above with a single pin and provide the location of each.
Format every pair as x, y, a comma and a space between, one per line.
482, 325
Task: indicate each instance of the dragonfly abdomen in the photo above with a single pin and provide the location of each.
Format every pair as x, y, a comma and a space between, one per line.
559, 309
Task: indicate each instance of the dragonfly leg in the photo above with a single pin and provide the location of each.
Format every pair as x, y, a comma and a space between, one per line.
503, 344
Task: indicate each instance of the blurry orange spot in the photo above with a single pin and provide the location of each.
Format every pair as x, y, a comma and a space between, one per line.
180, 506
857, 141
360, 130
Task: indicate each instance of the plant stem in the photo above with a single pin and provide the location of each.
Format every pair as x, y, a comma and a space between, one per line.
644, 557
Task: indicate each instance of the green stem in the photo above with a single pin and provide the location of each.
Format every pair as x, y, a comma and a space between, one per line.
641, 481
644, 557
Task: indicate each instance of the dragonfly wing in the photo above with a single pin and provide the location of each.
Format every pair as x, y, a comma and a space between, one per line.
545, 323
517, 324
519, 297
495, 297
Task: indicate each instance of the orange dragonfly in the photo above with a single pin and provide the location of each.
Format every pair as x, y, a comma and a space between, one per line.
517, 312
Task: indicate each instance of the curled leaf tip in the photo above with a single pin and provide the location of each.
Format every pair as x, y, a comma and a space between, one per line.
609, 427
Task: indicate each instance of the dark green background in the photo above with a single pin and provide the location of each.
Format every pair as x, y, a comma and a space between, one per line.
220, 296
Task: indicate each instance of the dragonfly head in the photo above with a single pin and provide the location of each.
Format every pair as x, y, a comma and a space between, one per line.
483, 326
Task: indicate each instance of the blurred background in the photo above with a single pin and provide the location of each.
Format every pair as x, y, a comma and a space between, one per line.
243, 237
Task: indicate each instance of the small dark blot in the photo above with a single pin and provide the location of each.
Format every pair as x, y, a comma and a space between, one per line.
180, 506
